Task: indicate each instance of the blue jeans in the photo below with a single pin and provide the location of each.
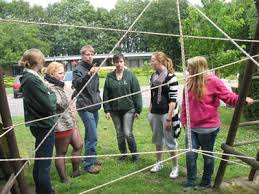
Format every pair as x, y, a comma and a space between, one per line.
90, 120
206, 142
123, 122
41, 168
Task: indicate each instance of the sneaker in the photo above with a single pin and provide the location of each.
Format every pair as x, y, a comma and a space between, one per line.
203, 186
135, 158
122, 158
188, 186
174, 173
157, 167
98, 163
94, 169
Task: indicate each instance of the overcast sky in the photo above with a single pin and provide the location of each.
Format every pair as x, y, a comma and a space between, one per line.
108, 4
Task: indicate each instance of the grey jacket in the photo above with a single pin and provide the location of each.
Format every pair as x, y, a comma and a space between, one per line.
67, 120
91, 94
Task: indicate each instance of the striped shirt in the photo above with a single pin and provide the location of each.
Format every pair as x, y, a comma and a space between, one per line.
169, 94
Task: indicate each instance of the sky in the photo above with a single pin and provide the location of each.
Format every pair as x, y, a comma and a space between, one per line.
108, 4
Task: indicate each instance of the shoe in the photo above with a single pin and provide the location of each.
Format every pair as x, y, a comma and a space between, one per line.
98, 163
77, 173
122, 158
94, 169
65, 181
157, 167
188, 186
203, 186
135, 158
174, 173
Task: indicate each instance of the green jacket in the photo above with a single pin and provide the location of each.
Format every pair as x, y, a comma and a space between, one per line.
38, 101
114, 88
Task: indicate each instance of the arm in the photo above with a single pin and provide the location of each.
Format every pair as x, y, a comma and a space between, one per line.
106, 106
80, 78
137, 99
183, 112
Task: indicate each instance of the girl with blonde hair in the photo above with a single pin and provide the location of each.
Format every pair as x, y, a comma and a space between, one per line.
66, 132
163, 116
38, 101
204, 94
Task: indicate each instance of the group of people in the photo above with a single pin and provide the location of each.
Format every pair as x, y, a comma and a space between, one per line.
45, 97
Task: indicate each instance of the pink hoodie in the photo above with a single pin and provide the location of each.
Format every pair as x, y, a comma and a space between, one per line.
204, 112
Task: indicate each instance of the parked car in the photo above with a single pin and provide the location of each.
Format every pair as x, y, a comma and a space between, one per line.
17, 87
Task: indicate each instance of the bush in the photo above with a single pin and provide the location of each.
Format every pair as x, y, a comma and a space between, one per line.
8, 81
251, 113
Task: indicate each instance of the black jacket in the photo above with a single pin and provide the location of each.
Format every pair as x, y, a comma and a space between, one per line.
91, 94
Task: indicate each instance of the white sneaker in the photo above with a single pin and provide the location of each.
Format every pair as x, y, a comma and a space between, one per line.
158, 166
174, 173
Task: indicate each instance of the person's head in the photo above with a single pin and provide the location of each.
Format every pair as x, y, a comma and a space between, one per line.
56, 70
32, 59
119, 61
159, 60
87, 53
197, 65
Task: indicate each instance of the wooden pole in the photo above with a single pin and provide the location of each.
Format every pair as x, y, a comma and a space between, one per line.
246, 83
11, 139
248, 123
252, 174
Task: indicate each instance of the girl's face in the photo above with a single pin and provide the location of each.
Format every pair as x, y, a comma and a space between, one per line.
120, 64
190, 70
156, 65
59, 74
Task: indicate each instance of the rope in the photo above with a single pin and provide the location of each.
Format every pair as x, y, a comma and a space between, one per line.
188, 124
225, 34
116, 45
131, 174
121, 30
8, 129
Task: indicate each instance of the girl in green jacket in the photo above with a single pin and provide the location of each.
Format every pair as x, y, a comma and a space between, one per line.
118, 83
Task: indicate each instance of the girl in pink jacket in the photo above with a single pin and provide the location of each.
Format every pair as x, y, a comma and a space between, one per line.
204, 93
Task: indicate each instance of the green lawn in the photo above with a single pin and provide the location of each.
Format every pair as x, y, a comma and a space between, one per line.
143, 182
9, 91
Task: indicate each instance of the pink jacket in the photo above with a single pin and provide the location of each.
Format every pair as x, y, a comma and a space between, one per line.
204, 112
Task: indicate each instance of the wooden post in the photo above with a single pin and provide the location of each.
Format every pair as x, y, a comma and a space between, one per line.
252, 174
246, 83
11, 139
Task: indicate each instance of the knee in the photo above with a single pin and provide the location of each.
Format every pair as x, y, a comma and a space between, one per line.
191, 156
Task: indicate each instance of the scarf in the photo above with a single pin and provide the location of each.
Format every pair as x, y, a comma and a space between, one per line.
158, 79
54, 81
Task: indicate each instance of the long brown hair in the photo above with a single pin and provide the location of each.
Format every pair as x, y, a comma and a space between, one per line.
31, 58
165, 60
197, 83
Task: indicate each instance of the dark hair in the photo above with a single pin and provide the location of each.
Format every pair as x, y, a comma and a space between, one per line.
117, 57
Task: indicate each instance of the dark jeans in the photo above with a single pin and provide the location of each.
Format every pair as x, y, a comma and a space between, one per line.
41, 168
90, 120
123, 122
206, 142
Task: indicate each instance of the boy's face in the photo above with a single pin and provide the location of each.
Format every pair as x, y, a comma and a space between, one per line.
120, 64
88, 56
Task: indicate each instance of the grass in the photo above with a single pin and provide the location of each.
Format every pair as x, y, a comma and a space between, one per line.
143, 182
9, 91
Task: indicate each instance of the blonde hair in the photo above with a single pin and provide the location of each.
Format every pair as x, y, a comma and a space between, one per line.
87, 47
31, 58
197, 83
53, 67
165, 60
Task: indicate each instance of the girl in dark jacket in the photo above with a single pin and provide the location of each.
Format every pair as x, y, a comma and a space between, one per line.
38, 101
123, 112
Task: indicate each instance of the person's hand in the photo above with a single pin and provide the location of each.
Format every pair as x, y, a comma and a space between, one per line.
93, 70
136, 116
168, 125
108, 116
249, 100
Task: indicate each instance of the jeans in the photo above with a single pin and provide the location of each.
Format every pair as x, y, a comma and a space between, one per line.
206, 142
41, 168
90, 120
123, 122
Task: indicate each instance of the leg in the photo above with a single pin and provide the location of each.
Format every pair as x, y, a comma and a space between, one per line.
42, 171
117, 121
90, 123
207, 142
77, 145
127, 125
61, 145
191, 159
